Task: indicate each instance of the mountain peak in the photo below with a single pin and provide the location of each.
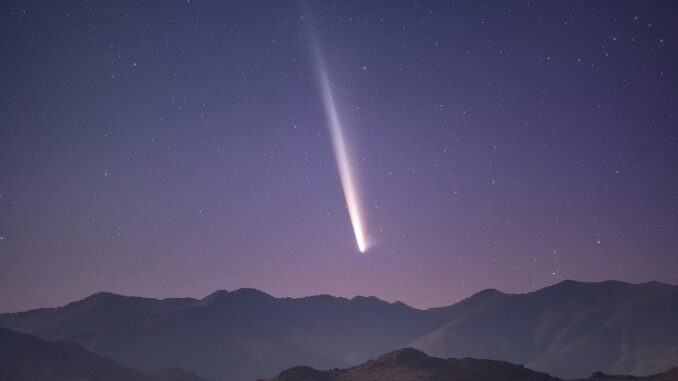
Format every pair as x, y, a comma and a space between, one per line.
98, 298
103, 295
241, 294
405, 356
215, 295
251, 292
580, 283
360, 298
488, 293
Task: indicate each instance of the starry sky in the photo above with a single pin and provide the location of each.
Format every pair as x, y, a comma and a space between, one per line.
163, 148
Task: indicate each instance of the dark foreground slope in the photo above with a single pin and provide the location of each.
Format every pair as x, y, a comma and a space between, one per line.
670, 375
412, 365
409, 365
27, 358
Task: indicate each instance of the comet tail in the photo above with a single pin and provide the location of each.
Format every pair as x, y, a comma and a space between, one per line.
341, 155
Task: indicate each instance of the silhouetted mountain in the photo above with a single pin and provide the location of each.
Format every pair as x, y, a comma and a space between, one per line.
87, 314
671, 375
28, 358
570, 329
348, 331
410, 365
239, 335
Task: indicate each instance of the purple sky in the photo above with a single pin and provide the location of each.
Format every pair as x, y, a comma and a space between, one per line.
175, 148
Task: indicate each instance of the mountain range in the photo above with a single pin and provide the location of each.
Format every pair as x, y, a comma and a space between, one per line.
569, 330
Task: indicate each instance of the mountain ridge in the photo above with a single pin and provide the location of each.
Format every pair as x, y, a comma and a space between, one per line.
262, 334
408, 364
103, 294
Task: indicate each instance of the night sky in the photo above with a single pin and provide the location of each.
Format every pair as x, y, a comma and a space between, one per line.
175, 148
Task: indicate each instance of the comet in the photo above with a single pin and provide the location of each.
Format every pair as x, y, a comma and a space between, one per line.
341, 152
